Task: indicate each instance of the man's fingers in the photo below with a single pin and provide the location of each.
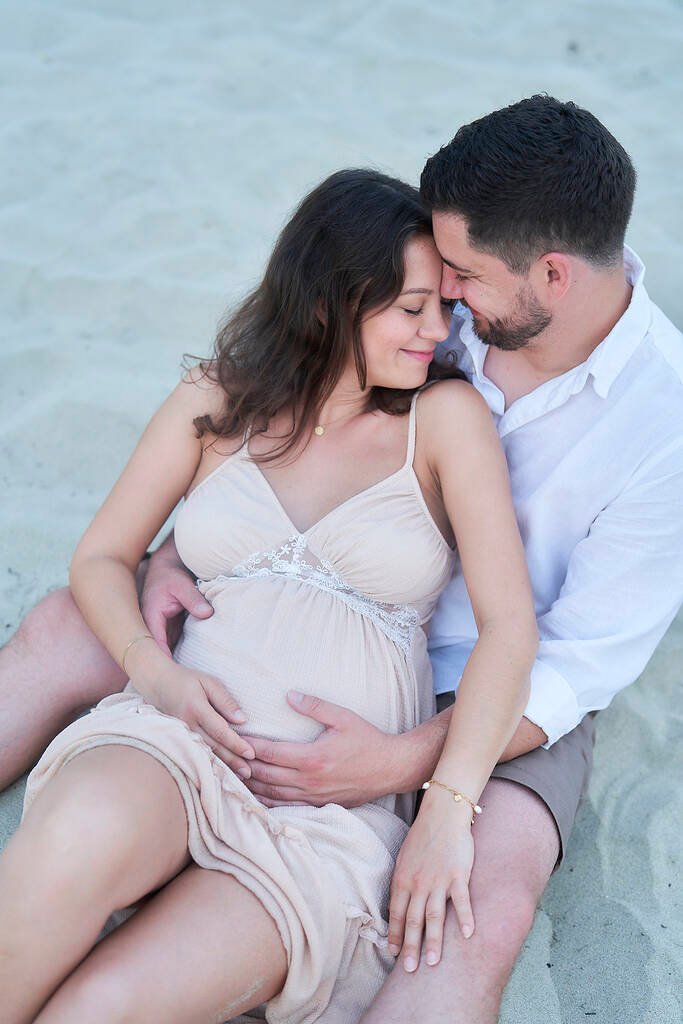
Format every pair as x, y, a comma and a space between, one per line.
279, 803
435, 913
174, 628
274, 775
200, 607
221, 733
156, 623
280, 752
280, 794
184, 590
460, 897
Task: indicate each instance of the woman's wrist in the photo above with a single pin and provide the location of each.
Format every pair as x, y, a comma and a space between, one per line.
439, 803
145, 660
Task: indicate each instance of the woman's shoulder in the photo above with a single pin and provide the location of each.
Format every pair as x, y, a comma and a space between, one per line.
450, 400
198, 393
451, 414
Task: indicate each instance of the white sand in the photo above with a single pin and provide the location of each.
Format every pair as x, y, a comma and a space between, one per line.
150, 155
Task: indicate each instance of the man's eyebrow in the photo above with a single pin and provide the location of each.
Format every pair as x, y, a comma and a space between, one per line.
417, 291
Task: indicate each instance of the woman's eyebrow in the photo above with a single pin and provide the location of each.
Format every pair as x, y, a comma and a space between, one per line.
417, 291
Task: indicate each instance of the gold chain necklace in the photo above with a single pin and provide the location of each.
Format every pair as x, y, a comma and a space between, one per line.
319, 429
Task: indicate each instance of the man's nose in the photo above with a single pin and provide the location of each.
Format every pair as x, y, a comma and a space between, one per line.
451, 287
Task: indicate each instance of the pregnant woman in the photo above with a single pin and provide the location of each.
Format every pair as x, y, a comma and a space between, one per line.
326, 493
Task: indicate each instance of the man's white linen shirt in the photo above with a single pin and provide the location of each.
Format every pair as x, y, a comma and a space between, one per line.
596, 468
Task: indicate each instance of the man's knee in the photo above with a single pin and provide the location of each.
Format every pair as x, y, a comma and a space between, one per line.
516, 848
55, 652
502, 925
503, 930
44, 624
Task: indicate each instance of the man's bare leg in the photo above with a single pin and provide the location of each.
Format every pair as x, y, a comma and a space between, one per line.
51, 669
516, 845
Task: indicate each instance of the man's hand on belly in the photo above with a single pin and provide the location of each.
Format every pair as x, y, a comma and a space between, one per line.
350, 763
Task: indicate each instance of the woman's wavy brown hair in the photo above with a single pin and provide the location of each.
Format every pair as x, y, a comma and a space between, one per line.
340, 257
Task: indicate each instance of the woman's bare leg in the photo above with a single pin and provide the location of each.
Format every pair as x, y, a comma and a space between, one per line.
108, 829
199, 952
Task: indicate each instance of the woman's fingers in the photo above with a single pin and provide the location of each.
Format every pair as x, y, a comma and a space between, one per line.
237, 764
414, 912
435, 915
222, 700
414, 926
400, 898
220, 732
460, 897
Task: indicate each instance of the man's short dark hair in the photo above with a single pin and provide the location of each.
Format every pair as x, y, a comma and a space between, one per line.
538, 176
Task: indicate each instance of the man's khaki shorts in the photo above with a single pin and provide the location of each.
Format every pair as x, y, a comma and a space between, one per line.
558, 775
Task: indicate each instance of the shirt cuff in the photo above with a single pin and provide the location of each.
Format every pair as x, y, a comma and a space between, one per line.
552, 704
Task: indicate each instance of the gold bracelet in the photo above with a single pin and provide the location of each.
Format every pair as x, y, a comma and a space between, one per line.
143, 636
456, 794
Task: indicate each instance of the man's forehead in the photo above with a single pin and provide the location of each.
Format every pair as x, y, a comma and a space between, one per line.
450, 235
452, 240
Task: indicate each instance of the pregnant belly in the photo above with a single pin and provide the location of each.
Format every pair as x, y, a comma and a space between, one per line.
266, 638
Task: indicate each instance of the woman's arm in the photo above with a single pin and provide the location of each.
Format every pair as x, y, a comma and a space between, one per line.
468, 464
102, 578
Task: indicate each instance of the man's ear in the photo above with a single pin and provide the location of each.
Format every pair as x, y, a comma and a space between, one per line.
553, 275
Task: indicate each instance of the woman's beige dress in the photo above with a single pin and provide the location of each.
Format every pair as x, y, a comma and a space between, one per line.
335, 611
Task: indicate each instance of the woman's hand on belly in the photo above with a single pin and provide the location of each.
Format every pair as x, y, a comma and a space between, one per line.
202, 702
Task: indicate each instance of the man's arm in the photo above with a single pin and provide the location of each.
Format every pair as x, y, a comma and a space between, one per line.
353, 762
169, 594
623, 587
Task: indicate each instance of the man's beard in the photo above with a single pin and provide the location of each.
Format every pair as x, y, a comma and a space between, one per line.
527, 320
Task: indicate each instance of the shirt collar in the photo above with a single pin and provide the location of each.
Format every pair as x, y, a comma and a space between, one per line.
606, 361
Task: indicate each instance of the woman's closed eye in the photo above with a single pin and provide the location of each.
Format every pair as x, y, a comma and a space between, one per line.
447, 304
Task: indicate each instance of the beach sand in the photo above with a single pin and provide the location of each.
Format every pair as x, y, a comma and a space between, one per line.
150, 155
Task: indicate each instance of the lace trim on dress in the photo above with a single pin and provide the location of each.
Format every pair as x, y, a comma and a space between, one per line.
396, 621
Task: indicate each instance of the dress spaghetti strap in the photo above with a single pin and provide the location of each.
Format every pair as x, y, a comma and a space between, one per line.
410, 452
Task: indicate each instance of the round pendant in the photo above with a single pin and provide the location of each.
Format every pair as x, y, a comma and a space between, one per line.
319, 430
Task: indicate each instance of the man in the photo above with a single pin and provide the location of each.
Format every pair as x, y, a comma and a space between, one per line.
584, 377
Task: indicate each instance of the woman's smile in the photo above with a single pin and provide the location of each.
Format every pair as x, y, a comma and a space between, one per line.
424, 356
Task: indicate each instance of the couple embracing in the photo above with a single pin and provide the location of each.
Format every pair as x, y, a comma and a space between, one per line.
433, 475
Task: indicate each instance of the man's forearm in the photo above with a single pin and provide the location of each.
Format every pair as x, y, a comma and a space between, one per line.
527, 737
419, 750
